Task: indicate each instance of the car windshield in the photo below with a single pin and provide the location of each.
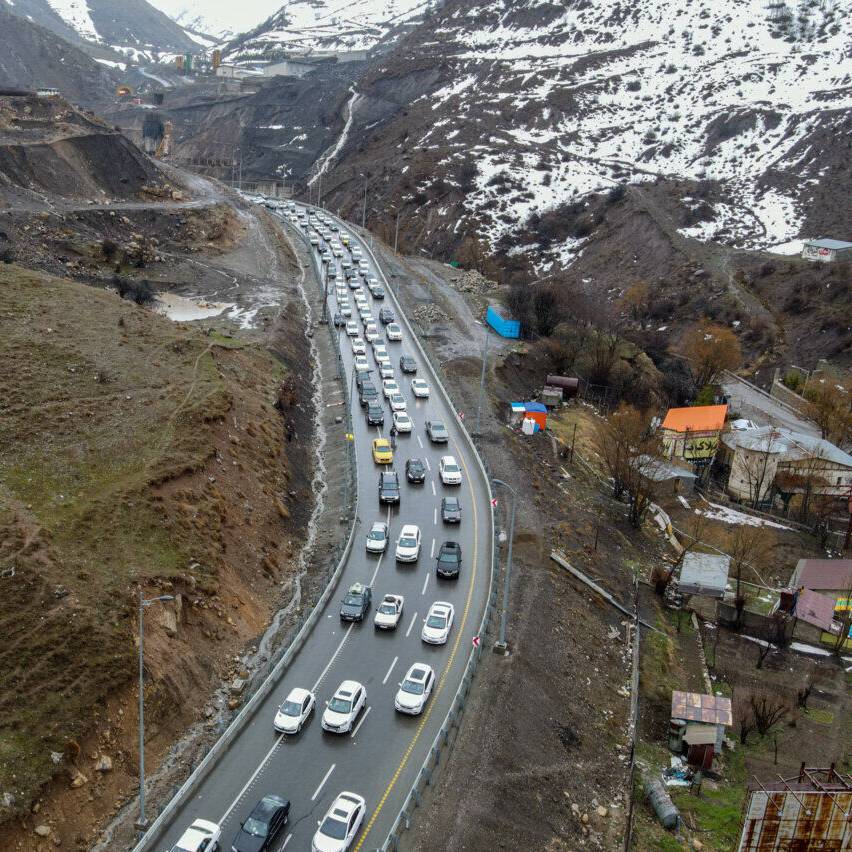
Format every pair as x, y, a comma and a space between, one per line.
377, 535
333, 828
408, 542
436, 621
446, 556
340, 705
451, 468
387, 609
255, 827
352, 600
291, 708
412, 687
416, 464
437, 427
450, 504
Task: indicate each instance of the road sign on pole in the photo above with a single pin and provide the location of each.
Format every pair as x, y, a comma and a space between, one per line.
494, 503
476, 641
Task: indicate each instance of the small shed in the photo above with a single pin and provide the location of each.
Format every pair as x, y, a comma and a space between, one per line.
667, 476
502, 322
700, 741
704, 574
698, 725
534, 411
827, 250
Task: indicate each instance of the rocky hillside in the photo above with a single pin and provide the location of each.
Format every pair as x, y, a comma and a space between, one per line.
497, 109
312, 26
32, 56
133, 28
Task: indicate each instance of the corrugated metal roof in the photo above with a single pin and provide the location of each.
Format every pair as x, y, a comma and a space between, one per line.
815, 609
796, 445
695, 707
828, 243
704, 574
822, 574
697, 418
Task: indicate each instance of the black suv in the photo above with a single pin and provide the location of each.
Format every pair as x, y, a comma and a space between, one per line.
449, 560
338, 319
386, 316
388, 487
356, 603
375, 414
415, 471
263, 824
407, 364
368, 394
450, 510
378, 292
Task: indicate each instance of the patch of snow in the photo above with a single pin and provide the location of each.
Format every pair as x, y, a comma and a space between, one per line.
76, 14
792, 247
727, 515
182, 309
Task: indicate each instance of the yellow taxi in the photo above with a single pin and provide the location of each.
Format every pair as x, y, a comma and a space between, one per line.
382, 452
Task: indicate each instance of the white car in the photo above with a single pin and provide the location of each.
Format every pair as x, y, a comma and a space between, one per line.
364, 312
361, 365
371, 332
386, 370
438, 623
450, 471
389, 388
341, 824
377, 538
415, 689
314, 240
397, 402
346, 311
389, 612
358, 346
294, 712
352, 328
419, 388
362, 264
201, 836
394, 332
343, 709
337, 250
408, 544
402, 421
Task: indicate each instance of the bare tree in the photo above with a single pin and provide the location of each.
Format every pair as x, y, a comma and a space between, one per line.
756, 469
744, 715
775, 635
631, 454
710, 350
603, 353
844, 612
829, 405
748, 548
769, 709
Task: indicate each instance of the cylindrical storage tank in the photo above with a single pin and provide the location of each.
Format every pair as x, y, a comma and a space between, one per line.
528, 426
568, 384
677, 728
661, 802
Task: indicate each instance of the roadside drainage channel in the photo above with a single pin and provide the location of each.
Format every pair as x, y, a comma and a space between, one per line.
279, 663
454, 714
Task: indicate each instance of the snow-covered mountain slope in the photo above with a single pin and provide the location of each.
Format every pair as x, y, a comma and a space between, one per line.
220, 18
310, 26
550, 101
132, 27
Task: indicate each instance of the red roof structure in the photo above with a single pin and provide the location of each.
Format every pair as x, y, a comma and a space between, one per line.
696, 418
815, 609
695, 707
822, 574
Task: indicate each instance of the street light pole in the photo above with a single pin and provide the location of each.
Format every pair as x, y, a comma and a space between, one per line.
500, 646
364, 208
142, 822
396, 232
481, 384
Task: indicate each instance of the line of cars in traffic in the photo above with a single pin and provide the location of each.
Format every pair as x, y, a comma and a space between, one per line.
348, 273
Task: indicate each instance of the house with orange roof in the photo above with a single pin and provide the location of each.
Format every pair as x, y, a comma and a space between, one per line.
693, 433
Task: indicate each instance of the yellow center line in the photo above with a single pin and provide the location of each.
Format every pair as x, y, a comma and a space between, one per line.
442, 681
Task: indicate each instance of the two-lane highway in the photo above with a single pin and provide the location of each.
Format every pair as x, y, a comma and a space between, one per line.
379, 758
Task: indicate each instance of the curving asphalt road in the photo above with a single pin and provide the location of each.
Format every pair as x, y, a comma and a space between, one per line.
380, 759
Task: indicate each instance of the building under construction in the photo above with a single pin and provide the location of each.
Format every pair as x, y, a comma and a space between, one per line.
810, 811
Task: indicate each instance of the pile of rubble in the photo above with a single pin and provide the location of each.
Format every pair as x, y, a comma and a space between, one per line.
471, 281
429, 314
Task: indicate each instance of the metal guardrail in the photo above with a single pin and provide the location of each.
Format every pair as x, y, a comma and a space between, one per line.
278, 662
453, 717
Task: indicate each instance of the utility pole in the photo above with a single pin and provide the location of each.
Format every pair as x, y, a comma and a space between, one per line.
396, 232
481, 385
142, 822
364, 208
500, 646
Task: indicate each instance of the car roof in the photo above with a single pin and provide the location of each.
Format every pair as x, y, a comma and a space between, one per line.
451, 545
441, 607
452, 501
345, 803
298, 694
448, 459
379, 525
348, 686
267, 805
381, 442
418, 671
409, 529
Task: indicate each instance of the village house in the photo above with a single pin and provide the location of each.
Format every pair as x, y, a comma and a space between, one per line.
693, 433
771, 459
827, 250
832, 578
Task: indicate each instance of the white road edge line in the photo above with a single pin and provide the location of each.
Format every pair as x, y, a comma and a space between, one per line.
395, 659
287, 839
376, 572
413, 619
224, 818
322, 783
425, 583
333, 657
360, 722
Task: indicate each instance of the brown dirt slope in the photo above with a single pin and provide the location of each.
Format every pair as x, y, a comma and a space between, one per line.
132, 450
